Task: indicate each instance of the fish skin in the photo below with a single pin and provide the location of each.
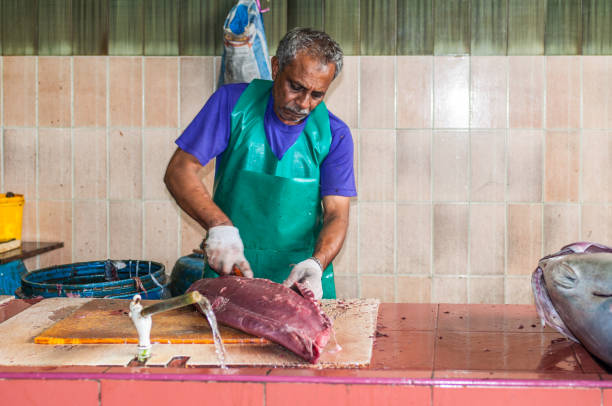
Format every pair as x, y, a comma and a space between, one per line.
573, 291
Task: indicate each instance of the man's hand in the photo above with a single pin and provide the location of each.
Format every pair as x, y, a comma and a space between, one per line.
224, 250
308, 272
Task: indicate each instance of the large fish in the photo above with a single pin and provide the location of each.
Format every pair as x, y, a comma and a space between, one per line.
270, 310
573, 293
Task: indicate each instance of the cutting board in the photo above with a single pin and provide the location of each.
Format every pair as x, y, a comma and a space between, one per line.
106, 321
354, 324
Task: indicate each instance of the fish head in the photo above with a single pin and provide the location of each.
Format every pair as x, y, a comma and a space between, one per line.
580, 288
579, 277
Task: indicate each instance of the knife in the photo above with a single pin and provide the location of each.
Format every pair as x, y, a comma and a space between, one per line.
235, 270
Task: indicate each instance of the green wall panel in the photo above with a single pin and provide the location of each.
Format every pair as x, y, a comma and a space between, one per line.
161, 27
378, 22
415, 27
54, 27
90, 27
361, 27
489, 27
214, 16
275, 23
342, 23
19, 27
526, 22
305, 13
126, 20
201, 26
563, 34
451, 27
597, 27
192, 30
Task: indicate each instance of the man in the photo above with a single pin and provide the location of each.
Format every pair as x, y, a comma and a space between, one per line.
280, 153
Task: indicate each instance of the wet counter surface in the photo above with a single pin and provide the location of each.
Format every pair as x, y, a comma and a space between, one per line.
428, 347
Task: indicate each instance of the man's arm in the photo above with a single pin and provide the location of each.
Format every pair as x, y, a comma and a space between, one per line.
223, 247
331, 237
335, 224
186, 187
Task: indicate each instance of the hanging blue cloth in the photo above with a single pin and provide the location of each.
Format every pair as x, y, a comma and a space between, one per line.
245, 50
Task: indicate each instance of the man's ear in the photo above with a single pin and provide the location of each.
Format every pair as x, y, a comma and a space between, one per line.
274, 67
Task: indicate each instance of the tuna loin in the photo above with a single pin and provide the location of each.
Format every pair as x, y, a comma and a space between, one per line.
269, 310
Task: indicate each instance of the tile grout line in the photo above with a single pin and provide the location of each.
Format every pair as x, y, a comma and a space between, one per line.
179, 229
72, 166
72, 180
469, 184
108, 158
580, 147
432, 112
506, 168
395, 217
108, 165
359, 176
543, 138
143, 226
37, 160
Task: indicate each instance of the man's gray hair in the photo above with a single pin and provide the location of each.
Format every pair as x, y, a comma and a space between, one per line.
315, 43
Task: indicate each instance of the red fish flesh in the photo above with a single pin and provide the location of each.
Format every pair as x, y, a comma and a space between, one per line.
269, 310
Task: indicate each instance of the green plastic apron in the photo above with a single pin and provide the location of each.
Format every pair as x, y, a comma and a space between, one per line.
274, 203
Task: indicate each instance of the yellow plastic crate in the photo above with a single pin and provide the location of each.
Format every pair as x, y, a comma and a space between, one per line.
11, 216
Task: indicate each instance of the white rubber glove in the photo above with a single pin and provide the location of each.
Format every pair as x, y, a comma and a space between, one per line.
224, 249
308, 272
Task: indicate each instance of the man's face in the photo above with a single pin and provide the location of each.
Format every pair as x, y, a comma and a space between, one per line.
300, 87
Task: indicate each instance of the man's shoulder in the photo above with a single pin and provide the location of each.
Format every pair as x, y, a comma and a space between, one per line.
336, 124
231, 89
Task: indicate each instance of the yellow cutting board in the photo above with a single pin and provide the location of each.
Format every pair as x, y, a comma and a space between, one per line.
106, 321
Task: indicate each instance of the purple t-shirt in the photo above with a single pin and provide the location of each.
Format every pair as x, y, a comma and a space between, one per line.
207, 137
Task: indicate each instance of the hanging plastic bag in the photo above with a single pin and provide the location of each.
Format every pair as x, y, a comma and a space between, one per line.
245, 53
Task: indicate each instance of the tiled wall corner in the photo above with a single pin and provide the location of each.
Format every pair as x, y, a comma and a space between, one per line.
469, 169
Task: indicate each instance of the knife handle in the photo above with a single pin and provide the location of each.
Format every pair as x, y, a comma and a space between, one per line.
237, 271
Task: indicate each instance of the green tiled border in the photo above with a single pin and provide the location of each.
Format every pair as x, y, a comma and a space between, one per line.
362, 27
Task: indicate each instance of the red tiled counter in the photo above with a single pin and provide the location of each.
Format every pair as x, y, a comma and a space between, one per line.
424, 354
